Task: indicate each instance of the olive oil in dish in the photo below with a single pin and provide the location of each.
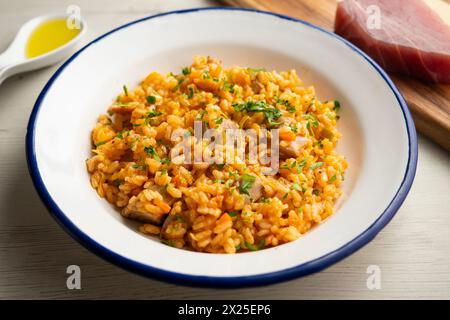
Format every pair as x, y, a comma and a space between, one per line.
49, 36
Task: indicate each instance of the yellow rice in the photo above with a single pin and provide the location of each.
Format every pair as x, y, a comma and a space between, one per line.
209, 210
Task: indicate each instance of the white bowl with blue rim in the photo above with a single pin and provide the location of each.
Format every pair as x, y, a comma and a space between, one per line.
379, 139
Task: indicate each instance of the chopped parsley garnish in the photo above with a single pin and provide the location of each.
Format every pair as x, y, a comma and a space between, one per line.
150, 150
247, 214
139, 166
252, 247
117, 182
227, 86
295, 186
333, 178
98, 144
285, 195
186, 71
168, 243
151, 115
265, 200
205, 74
246, 183
201, 114
270, 114
316, 165
289, 107
190, 92
233, 213
256, 70
312, 121
218, 120
337, 106
234, 175
293, 128
180, 81
124, 104
151, 99
220, 166
316, 192
301, 165
125, 90
165, 161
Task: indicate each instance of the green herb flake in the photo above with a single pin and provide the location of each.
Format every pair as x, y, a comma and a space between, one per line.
256, 70
316, 165
151, 99
218, 120
186, 71
205, 74
293, 128
337, 106
150, 150
125, 90
252, 247
246, 183
168, 243
165, 161
201, 114
289, 107
301, 165
98, 144
295, 186
234, 175
333, 178
190, 92
269, 112
117, 182
312, 121
227, 86
233, 213
265, 200
142, 167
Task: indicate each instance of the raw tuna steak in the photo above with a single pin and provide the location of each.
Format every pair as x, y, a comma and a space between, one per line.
408, 38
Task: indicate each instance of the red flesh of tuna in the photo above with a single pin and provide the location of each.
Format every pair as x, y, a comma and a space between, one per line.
412, 39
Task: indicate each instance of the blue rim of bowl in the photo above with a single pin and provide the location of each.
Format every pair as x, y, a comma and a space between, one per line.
235, 281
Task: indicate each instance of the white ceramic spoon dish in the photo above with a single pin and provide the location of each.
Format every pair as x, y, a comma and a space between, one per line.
13, 60
379, 139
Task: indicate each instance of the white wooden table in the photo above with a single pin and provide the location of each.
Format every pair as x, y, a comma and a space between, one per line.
413, 251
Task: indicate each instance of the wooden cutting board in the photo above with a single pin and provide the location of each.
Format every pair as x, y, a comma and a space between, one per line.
429, 103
